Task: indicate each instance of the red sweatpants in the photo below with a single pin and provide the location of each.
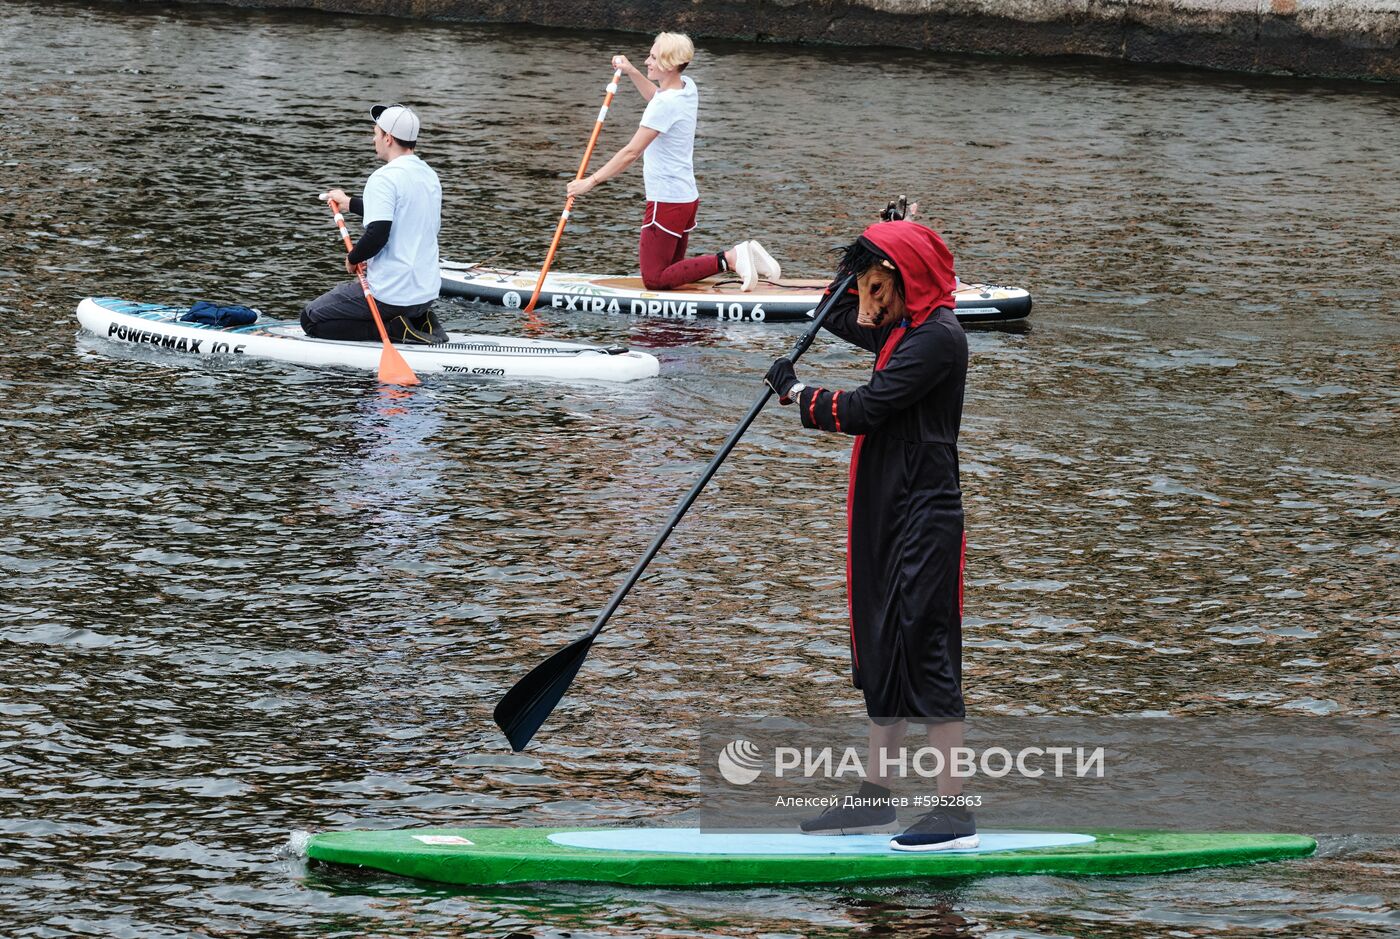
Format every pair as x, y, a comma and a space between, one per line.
666, 230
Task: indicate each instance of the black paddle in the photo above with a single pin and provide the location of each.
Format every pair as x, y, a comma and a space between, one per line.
529, 703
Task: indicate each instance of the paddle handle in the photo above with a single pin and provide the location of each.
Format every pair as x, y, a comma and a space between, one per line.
818, 318
359, 270
569, 202
609, 91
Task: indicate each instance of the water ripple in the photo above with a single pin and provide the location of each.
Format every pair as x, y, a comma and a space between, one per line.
249, 599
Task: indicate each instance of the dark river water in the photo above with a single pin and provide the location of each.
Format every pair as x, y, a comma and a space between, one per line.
245, 600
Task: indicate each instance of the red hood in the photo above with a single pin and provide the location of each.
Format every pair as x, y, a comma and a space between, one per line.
925, 264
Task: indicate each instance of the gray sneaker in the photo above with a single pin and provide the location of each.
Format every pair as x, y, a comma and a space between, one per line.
875, 815
939, 830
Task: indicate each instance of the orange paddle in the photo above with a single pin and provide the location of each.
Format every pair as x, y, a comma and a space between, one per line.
569, 202
393, 370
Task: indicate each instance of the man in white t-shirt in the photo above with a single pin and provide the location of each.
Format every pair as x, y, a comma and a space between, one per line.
666, 141
402, 210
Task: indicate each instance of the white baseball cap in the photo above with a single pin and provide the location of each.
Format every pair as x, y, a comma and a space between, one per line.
396, 120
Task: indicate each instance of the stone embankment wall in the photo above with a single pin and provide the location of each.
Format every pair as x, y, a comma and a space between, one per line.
1334, 38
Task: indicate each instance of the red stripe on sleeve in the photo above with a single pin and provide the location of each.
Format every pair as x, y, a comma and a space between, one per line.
812, 406
850, 514
835, 417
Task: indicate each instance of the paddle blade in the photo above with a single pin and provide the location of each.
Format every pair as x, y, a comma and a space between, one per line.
393, 369
533, 698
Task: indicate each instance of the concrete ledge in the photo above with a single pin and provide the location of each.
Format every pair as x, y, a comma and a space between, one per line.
1331, 38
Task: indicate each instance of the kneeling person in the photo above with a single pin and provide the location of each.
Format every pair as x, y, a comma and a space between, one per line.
402, 211
665, 140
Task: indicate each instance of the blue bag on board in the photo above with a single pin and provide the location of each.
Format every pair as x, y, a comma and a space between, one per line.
221, 317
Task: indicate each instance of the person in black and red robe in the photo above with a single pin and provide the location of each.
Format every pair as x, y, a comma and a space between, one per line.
905, 543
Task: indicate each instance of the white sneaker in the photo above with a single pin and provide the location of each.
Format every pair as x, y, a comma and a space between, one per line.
744, 265
767, 268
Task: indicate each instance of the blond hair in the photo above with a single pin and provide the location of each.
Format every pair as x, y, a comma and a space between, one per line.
673, 51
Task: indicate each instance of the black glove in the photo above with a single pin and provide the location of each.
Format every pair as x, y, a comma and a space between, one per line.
896, 210
781, 378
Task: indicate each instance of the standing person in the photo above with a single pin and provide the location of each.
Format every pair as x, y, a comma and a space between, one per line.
905, 546
402, 210
666, 142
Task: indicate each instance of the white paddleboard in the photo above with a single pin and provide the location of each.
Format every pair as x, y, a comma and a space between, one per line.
716, 298
159, 327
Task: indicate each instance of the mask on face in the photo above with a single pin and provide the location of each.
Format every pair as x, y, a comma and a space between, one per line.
881, 296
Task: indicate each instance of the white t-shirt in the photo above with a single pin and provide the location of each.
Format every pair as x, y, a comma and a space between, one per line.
406, 192
668, 162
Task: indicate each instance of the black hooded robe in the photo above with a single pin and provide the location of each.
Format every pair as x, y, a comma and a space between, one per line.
904, 514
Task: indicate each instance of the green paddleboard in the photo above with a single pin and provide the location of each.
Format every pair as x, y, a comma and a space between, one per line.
687, 857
